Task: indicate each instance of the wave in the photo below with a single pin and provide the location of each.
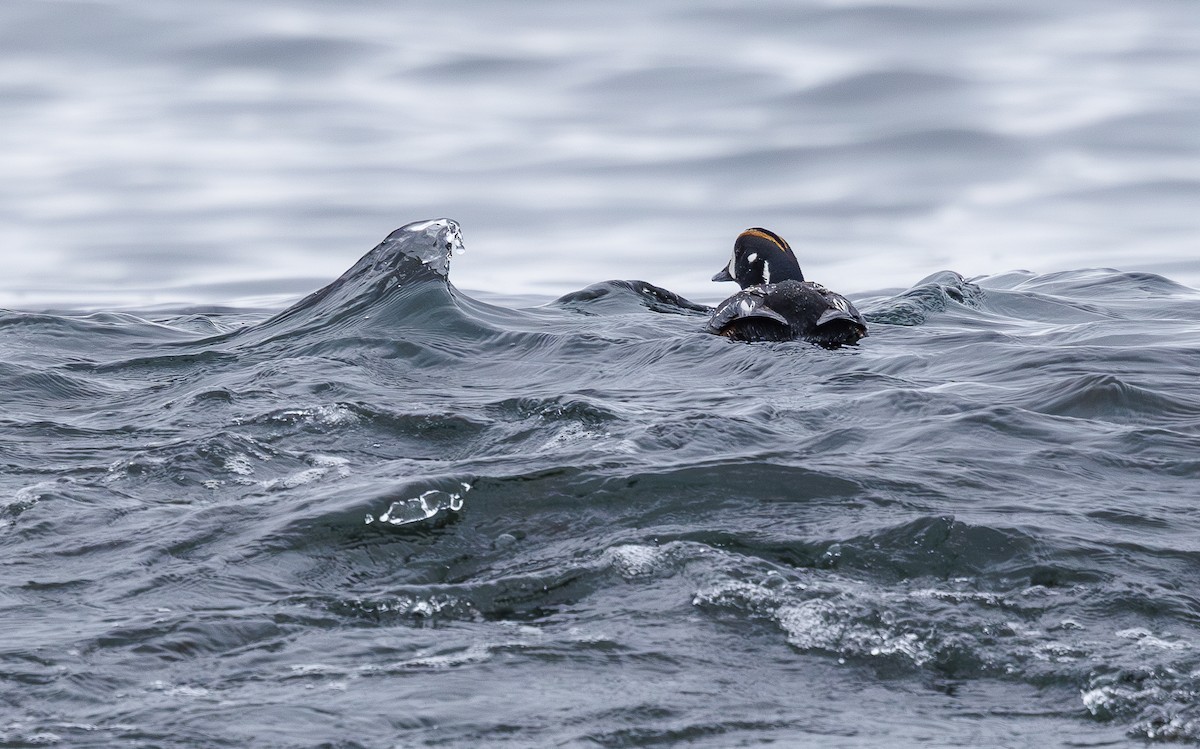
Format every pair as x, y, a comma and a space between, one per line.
400, 294
401, 291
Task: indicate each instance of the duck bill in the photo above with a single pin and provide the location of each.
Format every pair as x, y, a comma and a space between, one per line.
723, 275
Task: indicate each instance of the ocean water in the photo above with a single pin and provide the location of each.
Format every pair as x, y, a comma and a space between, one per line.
502, 499
230, 153
393, 514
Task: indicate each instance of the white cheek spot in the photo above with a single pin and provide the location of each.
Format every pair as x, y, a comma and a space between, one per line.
729, 268
752, 257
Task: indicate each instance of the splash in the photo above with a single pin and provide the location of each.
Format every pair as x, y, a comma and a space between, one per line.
423, 507
446, 242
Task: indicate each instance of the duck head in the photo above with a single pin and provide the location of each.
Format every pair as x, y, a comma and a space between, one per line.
760, 256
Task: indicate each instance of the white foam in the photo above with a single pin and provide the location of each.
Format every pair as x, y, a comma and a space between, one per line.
1146, 639
322, 466
331, 415
633, 560
240, 465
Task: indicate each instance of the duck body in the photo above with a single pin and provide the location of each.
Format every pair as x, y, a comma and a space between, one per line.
788, 311
776, 303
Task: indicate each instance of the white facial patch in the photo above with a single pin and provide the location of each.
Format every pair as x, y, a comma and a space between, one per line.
752, 257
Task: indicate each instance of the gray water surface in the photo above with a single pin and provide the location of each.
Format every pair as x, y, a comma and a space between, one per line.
396, 515
225, 152
409, 512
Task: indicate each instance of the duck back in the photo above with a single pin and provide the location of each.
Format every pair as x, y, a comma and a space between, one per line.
786, 311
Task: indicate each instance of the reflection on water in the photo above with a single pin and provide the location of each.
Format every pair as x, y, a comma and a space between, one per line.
225, 153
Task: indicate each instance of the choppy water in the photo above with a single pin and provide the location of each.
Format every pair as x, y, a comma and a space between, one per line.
975, 528
401, 514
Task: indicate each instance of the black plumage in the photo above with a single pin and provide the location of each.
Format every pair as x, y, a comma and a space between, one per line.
776, 303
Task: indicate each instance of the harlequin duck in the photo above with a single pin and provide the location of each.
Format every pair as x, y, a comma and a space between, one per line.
776, 303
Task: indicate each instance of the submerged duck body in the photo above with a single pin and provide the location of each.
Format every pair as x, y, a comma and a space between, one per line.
776, 303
